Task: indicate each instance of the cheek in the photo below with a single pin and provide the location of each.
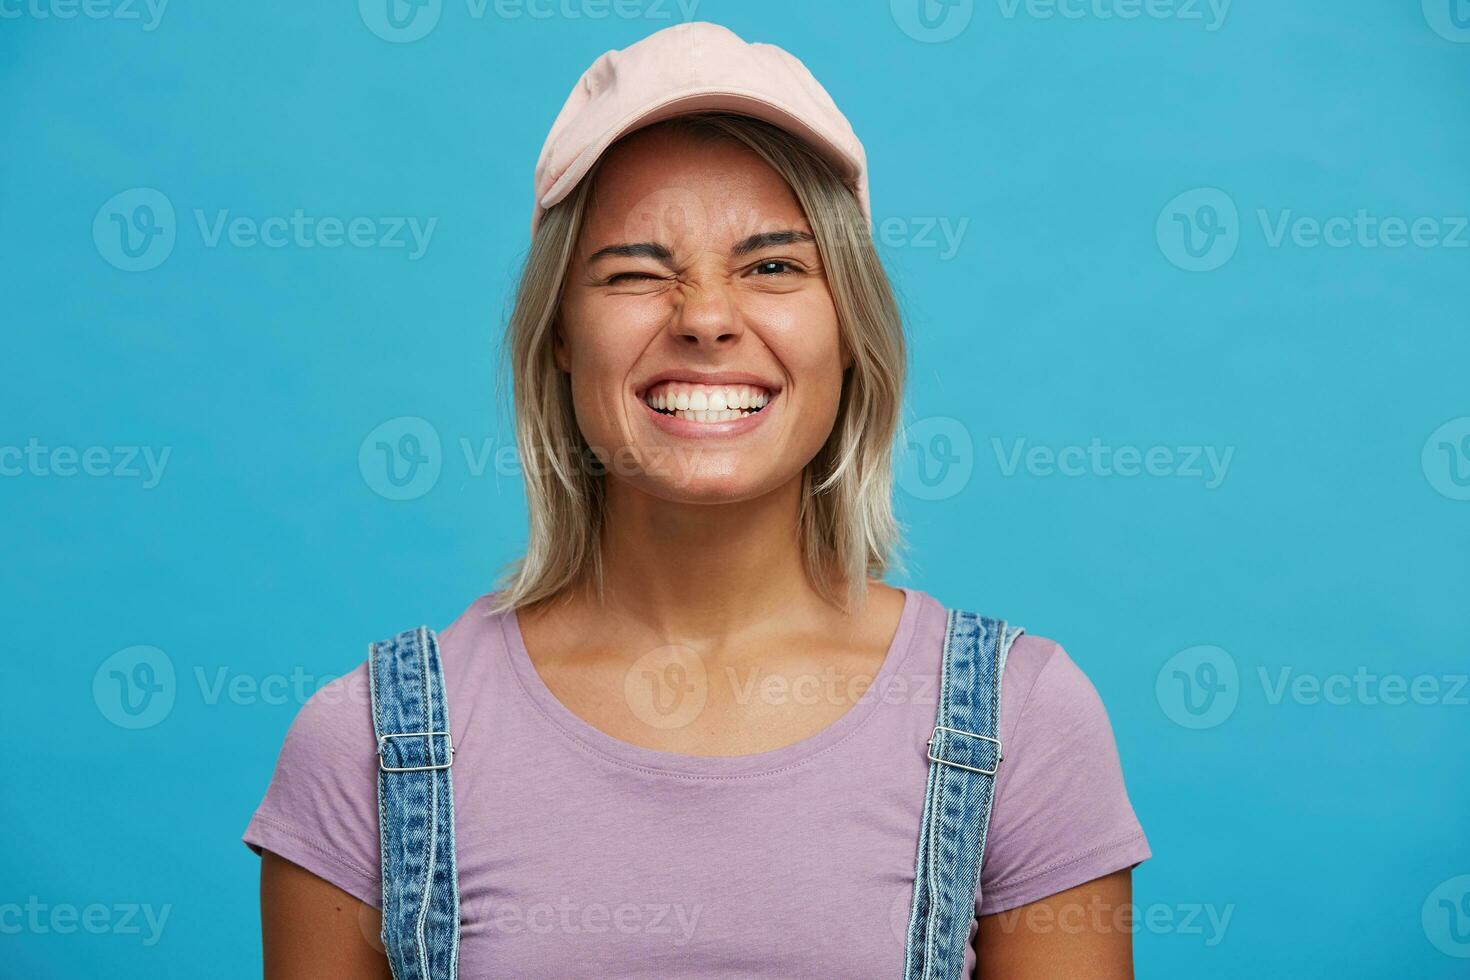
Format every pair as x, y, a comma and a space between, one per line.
603, 347
595, 391
607, 335
805, 338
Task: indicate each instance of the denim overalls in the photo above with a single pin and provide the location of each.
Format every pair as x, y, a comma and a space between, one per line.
416, 801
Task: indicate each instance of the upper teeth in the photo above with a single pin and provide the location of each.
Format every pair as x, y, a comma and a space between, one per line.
682, 396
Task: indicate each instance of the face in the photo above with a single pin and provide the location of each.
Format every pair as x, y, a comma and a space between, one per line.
697, 325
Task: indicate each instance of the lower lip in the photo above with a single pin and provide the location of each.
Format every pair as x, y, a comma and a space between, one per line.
690, 429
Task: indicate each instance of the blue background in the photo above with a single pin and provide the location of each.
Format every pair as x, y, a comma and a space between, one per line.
1336, 542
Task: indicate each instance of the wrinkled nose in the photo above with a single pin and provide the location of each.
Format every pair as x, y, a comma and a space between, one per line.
706, 316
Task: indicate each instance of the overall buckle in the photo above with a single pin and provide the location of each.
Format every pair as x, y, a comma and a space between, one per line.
960, 765
383, 743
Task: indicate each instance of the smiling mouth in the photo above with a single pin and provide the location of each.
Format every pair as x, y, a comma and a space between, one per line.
707, 403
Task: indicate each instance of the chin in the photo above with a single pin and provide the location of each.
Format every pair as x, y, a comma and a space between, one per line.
704, 488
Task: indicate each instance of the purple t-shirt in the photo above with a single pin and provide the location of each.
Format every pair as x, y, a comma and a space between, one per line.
583, 855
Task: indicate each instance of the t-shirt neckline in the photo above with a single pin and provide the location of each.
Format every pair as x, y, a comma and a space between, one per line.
754, 764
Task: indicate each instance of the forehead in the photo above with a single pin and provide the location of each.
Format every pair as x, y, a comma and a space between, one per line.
686, 191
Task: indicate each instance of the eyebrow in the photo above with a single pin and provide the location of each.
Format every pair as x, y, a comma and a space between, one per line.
769, 239
661, 253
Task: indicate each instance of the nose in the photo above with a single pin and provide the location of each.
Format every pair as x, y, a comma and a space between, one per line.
706, 316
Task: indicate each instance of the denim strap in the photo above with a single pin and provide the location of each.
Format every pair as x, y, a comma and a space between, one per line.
965, 754
415, 807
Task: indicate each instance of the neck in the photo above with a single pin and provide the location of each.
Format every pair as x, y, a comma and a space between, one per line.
705, 570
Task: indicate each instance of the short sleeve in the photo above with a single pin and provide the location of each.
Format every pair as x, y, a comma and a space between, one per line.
320, 809
1061, 814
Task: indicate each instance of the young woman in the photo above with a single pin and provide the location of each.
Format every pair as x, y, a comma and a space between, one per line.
689, 730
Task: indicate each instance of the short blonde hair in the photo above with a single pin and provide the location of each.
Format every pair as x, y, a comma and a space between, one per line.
848, 530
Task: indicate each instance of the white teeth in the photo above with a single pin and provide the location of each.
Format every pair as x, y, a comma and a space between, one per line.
707, 403
708, 415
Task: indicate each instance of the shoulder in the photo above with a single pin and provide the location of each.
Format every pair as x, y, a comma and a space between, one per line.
1044, 686
332, 730
1062, 814
320, 808
1048, 704
340, 712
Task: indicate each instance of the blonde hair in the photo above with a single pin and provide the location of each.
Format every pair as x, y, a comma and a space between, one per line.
848, 531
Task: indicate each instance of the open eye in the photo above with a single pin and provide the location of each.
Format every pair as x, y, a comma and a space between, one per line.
764, 269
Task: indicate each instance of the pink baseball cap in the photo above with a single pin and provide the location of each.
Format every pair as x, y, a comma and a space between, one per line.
692, 67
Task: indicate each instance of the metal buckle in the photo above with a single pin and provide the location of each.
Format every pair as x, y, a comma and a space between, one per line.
960, 765
444, 765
